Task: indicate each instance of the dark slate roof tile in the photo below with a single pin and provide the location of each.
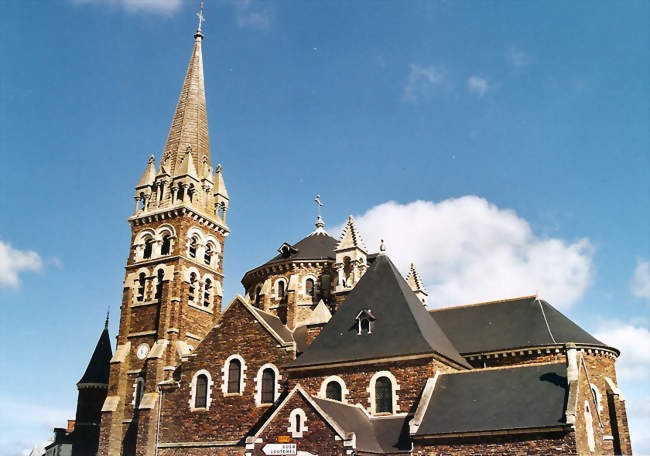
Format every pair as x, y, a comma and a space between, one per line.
375, 435
508, 324
316, 246
497, 399
403, 325
99, 365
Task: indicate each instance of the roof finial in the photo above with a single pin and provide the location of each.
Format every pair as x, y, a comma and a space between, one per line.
382, 248
108, 314
320, 224
199, 33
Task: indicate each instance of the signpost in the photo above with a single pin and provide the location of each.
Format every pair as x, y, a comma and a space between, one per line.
280, 449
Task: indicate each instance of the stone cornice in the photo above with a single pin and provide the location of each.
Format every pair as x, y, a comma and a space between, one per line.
542, 350
287, 265
176, 211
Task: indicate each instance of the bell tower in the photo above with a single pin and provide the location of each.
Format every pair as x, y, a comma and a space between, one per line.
173, 284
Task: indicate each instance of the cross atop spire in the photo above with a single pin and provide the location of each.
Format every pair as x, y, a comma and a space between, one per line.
320, 224
200, 16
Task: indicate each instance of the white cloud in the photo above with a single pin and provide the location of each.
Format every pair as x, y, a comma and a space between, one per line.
633, 342
421, 82
477, 85
516, 57
27, 424
640, 283
468, 250
13, 262
249, 14
132, 6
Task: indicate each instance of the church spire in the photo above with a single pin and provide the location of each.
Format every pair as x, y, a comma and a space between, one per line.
190, 122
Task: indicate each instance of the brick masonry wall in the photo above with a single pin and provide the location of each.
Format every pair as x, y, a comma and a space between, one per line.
229, 417
599, 367
411, 376
319, 438
515, 445
202, 451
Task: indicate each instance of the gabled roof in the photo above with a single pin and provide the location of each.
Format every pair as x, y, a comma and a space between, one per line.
509, 324
516, 398
351, 423
403, 326
99, 365
374, 435
269, 322
316, 246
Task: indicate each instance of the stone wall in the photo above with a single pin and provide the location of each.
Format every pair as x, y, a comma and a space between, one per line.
229, 416
515, 444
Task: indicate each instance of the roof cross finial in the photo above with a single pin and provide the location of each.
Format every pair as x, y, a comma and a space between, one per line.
200, 16
320, 224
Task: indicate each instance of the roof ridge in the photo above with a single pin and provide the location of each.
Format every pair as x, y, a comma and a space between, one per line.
496, 301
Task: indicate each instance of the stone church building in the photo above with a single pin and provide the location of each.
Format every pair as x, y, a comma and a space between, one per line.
328, 351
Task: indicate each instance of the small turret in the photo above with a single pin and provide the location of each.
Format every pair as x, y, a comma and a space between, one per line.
415, 282
144, 189
351, 257
221, 198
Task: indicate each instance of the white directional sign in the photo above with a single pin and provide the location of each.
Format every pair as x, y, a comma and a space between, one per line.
280, 449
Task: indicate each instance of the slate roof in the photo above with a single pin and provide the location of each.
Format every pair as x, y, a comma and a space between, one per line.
497, 399
316, 246
273, 322
99, 365
509, 324
375, 435
402, 327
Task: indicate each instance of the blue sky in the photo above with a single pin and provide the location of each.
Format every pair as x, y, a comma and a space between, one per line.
502, 146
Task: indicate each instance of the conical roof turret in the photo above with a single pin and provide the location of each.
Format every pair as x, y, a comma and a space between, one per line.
99, 365
149, 174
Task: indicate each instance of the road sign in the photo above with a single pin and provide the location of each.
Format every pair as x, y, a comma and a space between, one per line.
280, 449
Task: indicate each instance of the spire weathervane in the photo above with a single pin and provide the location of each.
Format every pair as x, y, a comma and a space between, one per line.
318, 203
200, 16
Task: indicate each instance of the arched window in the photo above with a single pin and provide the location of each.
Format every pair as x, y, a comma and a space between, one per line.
309, 287
268, 386
333, 391
193, 245
258, 292
383, 395
234, 376
207, 256
160, 275
148, 249
201, 396
297, 423
192, 287
166, 247
207, 293
280, 288
137, 394
142, 280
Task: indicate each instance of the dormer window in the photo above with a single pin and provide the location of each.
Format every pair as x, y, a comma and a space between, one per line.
365, 322
286, 250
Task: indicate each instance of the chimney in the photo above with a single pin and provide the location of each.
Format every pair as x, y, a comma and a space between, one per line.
572, 362
70, 427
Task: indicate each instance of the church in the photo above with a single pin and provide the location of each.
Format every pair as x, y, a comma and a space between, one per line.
328, 351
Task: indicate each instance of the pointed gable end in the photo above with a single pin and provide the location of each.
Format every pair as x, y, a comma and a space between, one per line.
402, 326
